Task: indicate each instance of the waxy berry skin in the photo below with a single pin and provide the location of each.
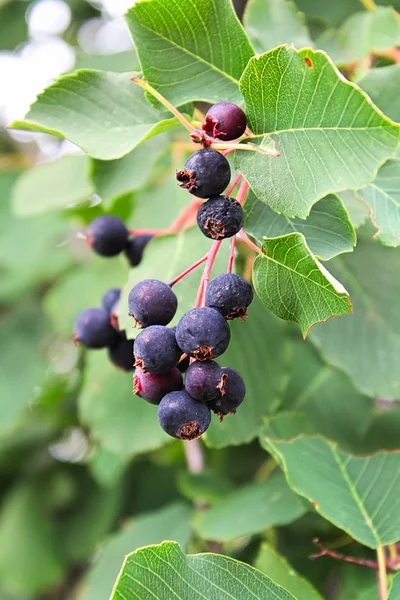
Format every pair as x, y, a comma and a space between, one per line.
206, 173
203, 333
156, 350
225, 120
220, 217
110, 297
233, 391
135, 248
121, 354
153, 387
230, 295
202, 379
107, 235
93, 329
182, 417
152, 302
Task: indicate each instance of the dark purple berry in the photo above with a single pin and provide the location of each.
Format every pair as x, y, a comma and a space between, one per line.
107, 235
153, 387
152, 302
135, 247
182, 417
121, 354
225, 121
232, 393
114, 315
93, 329
110, 298
156, 350
220, 217
206, 173
230, 295
202, 379
203, 333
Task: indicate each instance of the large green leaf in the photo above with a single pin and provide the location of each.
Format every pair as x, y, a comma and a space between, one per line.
359, 495
271, 23
327, 230
191, 49
358, 210
118, 420
258, 351
103, 113
53, 185
249, 510
280, 571
165, 572
329, 134
171, 522
295, 286
366, 344
382, 85
383, 197
395, 589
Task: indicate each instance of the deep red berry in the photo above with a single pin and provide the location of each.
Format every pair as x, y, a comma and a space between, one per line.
220, 217
152, 302
153, 387
107, 235
93, 329
225, 121
230, 295
206, 173
182, 417
203, 333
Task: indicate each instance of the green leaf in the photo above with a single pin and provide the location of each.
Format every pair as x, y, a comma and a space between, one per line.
271, 23
171, 522
120, 421
257, 346
190, 50
292, 283
250, 510
165, 572
53, 185
359, 495
383, 198
358, 210
395, 589
330, 12
382, 87
105, 114
329, 134
209, 485
280, 571
327, 230
366, 344
120, 62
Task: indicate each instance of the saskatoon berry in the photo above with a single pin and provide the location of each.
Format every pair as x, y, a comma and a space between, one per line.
182, 417
152, 302
230, 295
156, 350
121, 354
110, 298
233, 391
220, 217
225, 121
153, 387
107, 235
93, 329
206, 173
135, 247
203, 333
202, 379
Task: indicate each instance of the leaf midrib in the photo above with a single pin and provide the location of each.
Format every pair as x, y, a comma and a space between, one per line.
389, 127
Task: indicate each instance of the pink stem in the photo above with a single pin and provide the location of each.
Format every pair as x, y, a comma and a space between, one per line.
242, 193
229, 151
188, 270
200, 300
231, 254
154, 232
233, 185
199, 294
179, 223
248, 242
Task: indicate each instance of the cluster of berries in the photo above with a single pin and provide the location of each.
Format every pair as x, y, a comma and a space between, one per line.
160, 354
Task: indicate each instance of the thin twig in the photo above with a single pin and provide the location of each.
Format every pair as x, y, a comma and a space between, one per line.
233, 184
382, 576
188, 270
207, 269
336, 555
231, 254
248, 242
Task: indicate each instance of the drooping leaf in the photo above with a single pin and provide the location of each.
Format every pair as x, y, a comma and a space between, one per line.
190, 50
383, 197
271, 23
327, 230
358, 494
358, 210
366, 344
118, 420
292, 283
53, 185
329, 134
105, 114
276, 566
164, 571
171, 522
250, 510
382, 86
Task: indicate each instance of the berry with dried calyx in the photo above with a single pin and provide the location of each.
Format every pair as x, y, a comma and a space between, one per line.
220, 217
206, 173
230, 295
202, 379
225, 120
232, 392
203, 333
156, 350
182, 417
152, 302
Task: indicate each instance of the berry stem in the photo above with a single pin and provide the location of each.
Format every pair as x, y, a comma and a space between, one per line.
242, 193
188, 270
233, 184
249, 147
248, 242
194, 456
382, 576
207, 271
148, 88
183, 219
350, 559
231, 254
